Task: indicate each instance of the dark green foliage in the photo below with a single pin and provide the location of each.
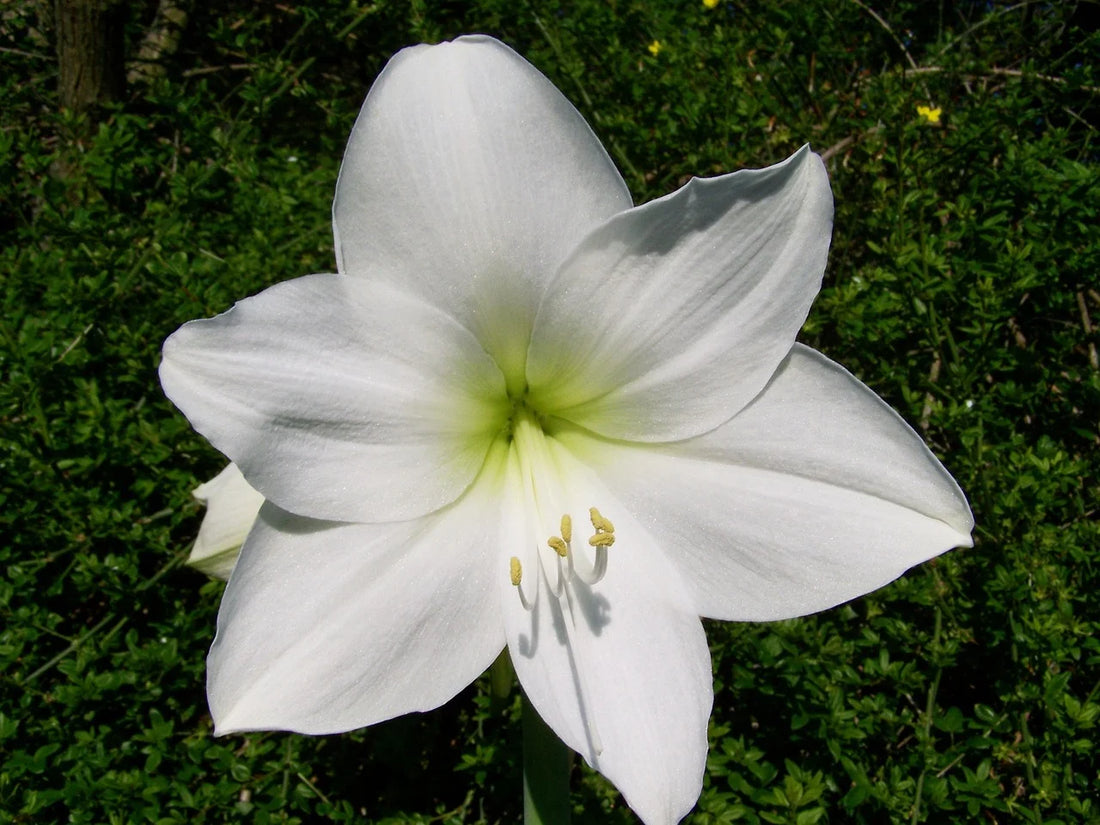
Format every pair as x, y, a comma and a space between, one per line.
962, 286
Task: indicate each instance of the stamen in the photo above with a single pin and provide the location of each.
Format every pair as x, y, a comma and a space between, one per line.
567, 528
591, 575
602, 539
605, 530
560, 547
599, 523
515, 570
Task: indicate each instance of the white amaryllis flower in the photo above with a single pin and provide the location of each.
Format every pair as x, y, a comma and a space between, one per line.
528, 414
232, 505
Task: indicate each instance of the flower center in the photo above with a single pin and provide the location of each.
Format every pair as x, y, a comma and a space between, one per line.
565, 567
558, 557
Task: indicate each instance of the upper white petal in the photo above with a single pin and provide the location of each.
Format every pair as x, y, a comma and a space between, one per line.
814, 494
232, 505
467, 179
339, 398
619, 670
328, 627
672, 316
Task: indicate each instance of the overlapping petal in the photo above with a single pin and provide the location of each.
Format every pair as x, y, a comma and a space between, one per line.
339, 398
814, 494
232, 505
328, 627
619, 670
467, 179
671, 317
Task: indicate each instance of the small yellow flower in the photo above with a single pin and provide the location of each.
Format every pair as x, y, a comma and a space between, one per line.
655, 48
930, 114
711, 4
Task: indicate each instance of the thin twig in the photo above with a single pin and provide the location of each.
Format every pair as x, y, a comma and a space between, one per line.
87, 329
21, 53
1086, 322
76, 644
1079, 119
889, 31
354, 24
942, 773
983, 22
998, 72
236, 67
79, 641
313, 787
839, 146
844, 143
929, 399
1017, 333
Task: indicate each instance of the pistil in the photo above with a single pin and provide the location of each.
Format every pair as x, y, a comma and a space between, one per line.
544, 492
541, 492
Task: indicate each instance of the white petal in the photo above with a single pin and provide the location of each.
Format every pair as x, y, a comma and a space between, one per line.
814, 494
328, 627
467, 179
338, 398
674, 315
232, 505
620, 670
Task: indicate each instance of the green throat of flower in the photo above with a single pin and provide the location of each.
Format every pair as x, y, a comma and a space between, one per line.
559, 557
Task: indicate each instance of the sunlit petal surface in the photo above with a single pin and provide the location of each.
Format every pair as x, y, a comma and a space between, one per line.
339, 398
672, 316
467, 179
814, 494
327, 627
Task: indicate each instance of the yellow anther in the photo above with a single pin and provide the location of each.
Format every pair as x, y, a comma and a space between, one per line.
515, 569
567, 528
559, 546
601, 524
602, 539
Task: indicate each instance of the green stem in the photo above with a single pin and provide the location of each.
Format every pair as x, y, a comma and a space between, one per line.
546, 764
501, 678
925, 733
